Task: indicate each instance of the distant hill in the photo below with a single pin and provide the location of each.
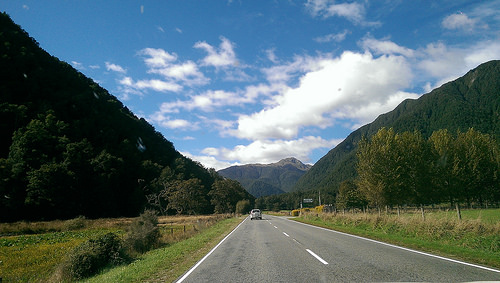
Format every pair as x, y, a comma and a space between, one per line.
69, 148
470, 101
267, 179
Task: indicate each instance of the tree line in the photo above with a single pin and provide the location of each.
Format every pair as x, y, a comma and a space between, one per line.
397, 169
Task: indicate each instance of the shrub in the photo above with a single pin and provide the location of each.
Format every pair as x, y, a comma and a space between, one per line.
143, 234
295, 212
243, 206
91, 256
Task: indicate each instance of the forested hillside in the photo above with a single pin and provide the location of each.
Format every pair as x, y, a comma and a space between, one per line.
267, 179
472, 101
69, 148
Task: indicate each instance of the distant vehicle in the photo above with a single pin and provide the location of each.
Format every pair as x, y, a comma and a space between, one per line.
255, 214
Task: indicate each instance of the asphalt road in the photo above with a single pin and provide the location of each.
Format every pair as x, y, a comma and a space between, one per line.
276, 249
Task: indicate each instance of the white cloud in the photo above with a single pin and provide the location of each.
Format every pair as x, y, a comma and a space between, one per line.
211, 100
459, 21
209, 161
353, 12
285, 72
221, 57
156, 85
337, 37
163, 63
271, 56
263, 151
442, 63
77, 65
157, 58
338, 88
385, 47
115, 68
176, 124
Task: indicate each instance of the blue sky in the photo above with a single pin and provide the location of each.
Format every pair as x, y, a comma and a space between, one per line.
238, 82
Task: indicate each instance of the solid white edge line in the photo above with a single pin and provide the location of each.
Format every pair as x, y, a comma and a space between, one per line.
317, 257
209, 253
406, 249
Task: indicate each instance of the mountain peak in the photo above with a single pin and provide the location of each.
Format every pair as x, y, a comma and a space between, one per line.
267, 179
292, 161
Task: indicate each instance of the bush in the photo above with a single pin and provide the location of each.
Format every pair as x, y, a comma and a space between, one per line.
91, 256
295, 212
143, 234
243, 206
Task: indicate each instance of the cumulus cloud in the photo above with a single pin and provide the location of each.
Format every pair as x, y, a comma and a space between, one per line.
458, 21
163, 63
218, 57
157, 58
338, 88
115, 68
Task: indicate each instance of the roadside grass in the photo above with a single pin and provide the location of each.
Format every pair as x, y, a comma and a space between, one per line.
170, 262
32, 251
278, 213
33, 258
475, 238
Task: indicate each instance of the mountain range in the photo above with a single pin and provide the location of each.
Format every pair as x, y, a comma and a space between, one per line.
472, 101
267, 179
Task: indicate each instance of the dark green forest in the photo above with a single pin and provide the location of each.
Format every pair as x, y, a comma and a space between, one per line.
69, 148
472, 101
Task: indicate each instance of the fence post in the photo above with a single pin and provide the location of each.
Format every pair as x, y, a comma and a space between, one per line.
459, 214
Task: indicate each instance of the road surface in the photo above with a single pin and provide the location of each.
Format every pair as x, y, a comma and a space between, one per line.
276, 249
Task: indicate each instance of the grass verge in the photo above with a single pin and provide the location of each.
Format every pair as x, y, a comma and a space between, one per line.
169, 263
472, 240
32, 258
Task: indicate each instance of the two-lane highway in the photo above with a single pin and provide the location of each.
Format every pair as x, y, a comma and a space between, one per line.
276, 249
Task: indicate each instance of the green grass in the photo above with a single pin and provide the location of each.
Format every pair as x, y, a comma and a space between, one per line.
476, 238
33, 251
168, 263
32, 258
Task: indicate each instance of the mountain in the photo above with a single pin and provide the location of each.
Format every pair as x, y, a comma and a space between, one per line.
267, 179
470, 101
69, 148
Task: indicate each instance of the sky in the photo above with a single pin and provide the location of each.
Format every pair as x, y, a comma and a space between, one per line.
242, 82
